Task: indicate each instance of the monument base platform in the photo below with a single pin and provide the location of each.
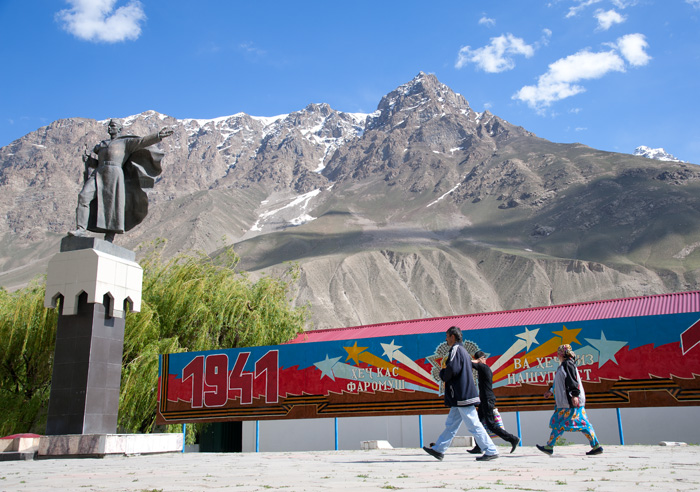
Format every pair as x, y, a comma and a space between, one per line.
101, 445
19, 447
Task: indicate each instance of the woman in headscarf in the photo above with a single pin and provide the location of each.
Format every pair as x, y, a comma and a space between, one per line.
569, 401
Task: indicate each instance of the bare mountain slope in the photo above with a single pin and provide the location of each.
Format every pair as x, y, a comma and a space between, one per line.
422, 208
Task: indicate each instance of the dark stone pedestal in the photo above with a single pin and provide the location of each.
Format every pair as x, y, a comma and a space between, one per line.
86, 372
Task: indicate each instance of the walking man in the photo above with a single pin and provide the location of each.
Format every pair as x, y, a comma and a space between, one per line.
488, 403
460, 395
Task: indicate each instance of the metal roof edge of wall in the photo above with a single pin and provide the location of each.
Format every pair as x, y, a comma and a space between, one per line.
656, 304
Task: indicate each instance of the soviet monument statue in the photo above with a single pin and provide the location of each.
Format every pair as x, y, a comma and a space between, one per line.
112, 200
94, 284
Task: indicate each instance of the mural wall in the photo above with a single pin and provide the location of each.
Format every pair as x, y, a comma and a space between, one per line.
624, 362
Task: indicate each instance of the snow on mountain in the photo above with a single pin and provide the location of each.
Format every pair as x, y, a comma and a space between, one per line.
295, 209
659, 154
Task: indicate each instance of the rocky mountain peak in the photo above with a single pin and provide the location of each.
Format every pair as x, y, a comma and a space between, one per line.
424, 98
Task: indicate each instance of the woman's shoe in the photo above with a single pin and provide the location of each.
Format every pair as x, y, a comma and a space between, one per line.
545, 450
594, 451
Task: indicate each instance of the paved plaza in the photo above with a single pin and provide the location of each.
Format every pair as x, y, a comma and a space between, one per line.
620, 469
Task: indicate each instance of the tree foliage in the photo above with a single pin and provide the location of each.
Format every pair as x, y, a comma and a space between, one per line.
27, 338
189, 303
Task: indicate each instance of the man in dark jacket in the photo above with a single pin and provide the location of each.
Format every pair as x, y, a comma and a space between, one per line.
488, 403
460, 395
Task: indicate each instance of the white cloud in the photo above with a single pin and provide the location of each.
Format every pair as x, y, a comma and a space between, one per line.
544, 40
582, 4
607, 18
623, 4
496, 56
694, 3
620, 4
564, 75
486, 21
632, 47
251, 49
560, 81
97, 20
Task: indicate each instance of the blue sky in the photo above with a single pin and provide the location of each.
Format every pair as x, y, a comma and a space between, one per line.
612, 74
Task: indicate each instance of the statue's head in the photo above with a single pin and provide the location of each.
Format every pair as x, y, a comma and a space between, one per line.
114, 127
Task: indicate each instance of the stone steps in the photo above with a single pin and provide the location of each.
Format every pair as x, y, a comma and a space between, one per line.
19, 447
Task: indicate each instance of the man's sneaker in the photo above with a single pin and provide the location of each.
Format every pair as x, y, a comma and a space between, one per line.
594, 451
487, 457
545, 450
475, 450
433, 453
514, 444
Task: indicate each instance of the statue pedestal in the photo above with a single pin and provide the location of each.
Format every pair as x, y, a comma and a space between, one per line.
97, 282
105, 272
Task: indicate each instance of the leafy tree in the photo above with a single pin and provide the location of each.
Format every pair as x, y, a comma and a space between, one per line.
27, 338
189, 303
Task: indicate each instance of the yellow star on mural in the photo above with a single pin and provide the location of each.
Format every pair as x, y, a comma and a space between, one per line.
568, 336
354, 352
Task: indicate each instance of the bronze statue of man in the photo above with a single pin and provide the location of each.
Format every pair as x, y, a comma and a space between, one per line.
112, 200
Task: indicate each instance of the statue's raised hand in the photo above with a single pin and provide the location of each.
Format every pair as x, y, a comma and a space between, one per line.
165, 132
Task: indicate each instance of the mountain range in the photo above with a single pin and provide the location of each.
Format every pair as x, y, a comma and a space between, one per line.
422, 208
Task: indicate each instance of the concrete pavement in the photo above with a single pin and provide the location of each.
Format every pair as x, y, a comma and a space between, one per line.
619, 469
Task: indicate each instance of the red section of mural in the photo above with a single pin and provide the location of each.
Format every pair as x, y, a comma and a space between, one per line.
292, 382
308, 381
311, 379
647, 361
177, 390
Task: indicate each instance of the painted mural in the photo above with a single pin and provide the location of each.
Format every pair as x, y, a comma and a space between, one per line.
624, 362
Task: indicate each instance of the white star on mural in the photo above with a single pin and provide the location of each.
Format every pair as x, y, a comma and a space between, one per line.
529, 337
606, 348
389, 349
326, 366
